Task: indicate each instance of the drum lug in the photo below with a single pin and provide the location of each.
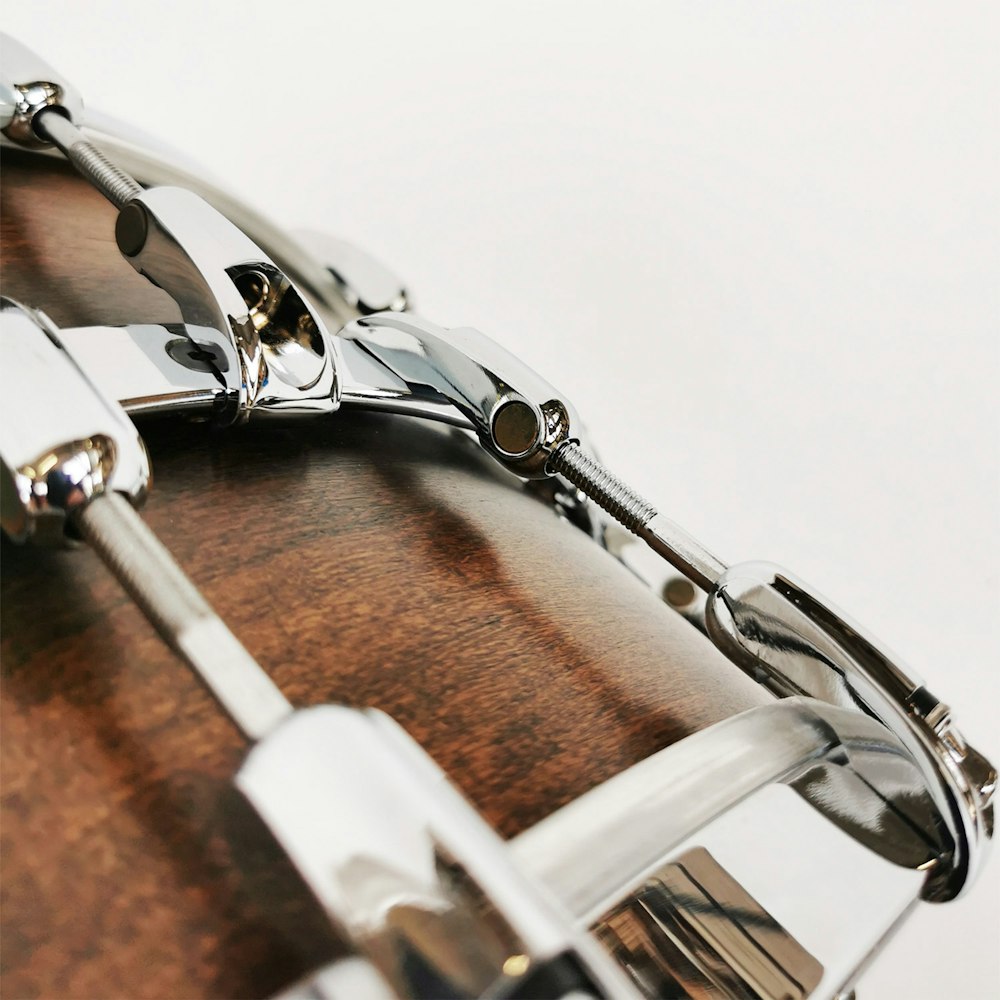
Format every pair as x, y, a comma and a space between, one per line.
282, 356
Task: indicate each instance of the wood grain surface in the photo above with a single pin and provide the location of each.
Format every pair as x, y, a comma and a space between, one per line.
367, 560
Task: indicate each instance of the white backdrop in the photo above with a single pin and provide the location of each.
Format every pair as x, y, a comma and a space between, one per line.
756, 243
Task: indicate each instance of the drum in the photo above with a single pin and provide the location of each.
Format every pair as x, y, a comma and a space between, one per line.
373, 561
383, 561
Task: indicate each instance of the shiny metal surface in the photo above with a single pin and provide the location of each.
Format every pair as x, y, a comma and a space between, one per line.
421, 885
152, 163
520, 419
218, 277
743, 791
796, 643
590, 851
116, 185
61, 441
149, 369
692, 929
366, 284
782, 628
663, 536
906, 789
134, 365
413, 366
833, 896
417, 359
28, 85
282, 357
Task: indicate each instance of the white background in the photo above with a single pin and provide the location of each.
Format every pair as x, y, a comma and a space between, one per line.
757, 244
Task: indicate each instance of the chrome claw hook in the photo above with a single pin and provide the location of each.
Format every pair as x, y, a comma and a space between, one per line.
283, 357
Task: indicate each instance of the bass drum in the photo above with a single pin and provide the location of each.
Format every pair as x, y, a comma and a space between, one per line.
370, 560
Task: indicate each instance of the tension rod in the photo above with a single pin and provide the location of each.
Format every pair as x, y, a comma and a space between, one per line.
665, 537
52, 125
183, 618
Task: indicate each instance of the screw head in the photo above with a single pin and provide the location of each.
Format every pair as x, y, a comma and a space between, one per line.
131, 229
516, 428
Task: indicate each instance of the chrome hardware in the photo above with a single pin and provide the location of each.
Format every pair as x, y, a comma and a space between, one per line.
56, 456
794, 642
418, 880
365, 282
138, 366
491, 389
282, 356
38, 107
404, 363
117, 186
783, 632
519, 418
778, 796
692, 924
663, 536
70, 457
159, 369
416, 877
531, 429
591, 850
29, 85
219, 278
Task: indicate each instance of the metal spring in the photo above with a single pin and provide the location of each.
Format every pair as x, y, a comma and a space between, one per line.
606, 490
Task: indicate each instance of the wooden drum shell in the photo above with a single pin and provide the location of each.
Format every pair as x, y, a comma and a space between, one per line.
363, 559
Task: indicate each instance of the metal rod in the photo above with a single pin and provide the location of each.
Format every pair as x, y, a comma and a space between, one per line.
116, 185
662, 535
181, 615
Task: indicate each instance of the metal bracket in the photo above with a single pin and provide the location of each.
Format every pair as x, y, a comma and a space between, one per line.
282, 356
56, 456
